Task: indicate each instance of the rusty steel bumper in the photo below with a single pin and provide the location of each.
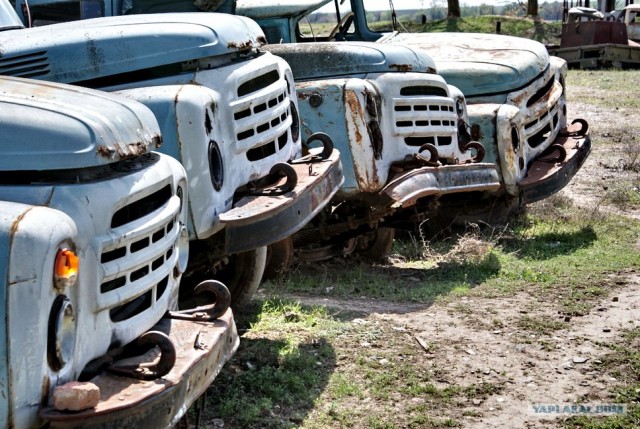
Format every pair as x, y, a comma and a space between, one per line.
202, 348
264, 219
545, 177
407, 188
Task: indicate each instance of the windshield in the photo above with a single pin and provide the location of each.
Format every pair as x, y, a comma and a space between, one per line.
321, 23
8, 18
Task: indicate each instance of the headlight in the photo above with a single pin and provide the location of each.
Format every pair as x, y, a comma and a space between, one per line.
62, 333
216, 167
295, 123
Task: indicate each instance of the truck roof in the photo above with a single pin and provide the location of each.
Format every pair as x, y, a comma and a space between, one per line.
324, 60
49, 126
261, 9
83, 50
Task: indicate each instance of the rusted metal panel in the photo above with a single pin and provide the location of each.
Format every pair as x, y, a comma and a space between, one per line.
202, 349
546, 176
263, 219
593, 33
406, 189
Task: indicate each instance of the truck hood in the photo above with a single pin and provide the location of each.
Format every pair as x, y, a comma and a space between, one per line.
50, 126
310, 61
480, 64
83, 50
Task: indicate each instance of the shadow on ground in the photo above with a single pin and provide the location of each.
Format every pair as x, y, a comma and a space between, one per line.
269, 383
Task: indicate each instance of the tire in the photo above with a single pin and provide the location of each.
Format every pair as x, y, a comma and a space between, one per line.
379, 244
242, 275
279, 258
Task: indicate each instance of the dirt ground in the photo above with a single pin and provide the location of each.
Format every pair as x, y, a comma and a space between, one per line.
530, 368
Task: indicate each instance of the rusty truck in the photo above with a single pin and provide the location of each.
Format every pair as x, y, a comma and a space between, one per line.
515, 95
599, 37
227, 110
94, 244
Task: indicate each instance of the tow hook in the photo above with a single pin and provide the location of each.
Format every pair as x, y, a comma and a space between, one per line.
327, 149
150, 371
479, 151
208, 312
557, 149
584, 127
433, 155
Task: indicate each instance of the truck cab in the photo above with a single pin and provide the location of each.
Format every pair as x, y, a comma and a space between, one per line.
228, 113
515, 91
93, 243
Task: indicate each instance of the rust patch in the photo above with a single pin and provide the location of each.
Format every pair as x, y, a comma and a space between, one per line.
128, 151
355, 110
241, 45
156, 141
476, 132
105, 151
207, 122
401, 67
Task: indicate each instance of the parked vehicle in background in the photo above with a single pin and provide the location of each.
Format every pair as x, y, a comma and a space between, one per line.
515, 94
594, 38
403, 138
227, 111
94, 243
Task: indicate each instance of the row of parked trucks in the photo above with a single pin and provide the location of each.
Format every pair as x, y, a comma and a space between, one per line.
152, 159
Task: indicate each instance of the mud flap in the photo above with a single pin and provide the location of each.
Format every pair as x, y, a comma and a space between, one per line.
260, 220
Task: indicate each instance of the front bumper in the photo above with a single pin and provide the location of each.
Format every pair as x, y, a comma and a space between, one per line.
406, 189
202, 348
260, 220
545, 178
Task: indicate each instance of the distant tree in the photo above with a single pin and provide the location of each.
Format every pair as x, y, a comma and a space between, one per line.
453, 7
551, 11
486, 9
532, 7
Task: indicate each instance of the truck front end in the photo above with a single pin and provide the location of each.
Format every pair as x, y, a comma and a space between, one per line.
97, 244
228, 113
517, 107
401, 130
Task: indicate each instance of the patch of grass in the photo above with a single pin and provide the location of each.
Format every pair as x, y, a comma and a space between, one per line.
624, 364
301, 367
602, 89
540, 325
552, 251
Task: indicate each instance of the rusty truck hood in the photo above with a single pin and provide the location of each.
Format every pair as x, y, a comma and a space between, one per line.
49, 126
480, 64
312, 61
94, 48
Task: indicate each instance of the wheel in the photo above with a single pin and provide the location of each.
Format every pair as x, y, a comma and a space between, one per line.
379, 243
279, 258
242, 275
